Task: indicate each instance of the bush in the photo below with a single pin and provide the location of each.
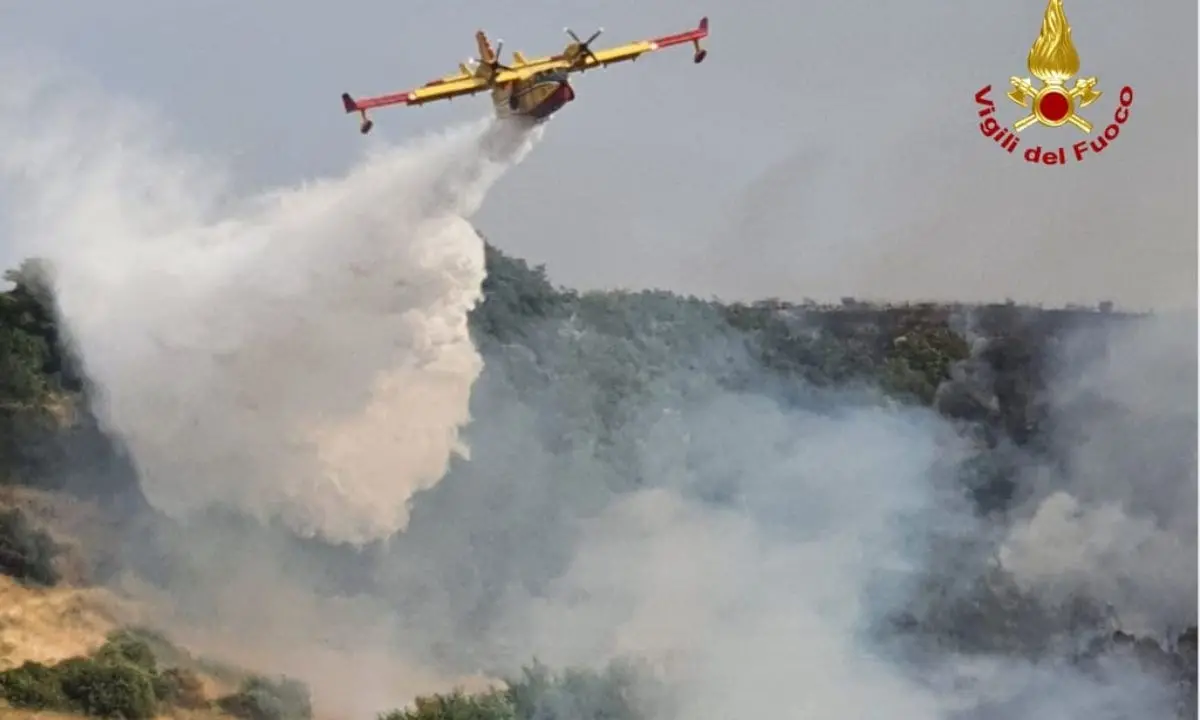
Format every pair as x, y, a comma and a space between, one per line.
264, 699
457, 705
622, 691
124, 647
26, 552
580, 694
81, 685
121, 679
21, 381
108, 689
33, 686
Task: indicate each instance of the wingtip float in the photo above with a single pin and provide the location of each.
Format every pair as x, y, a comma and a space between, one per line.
534, 89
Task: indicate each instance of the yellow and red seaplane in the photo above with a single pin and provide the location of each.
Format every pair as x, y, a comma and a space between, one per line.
534, 89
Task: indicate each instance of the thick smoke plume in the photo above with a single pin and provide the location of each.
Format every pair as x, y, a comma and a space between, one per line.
302, 353
1116, 521
772, 542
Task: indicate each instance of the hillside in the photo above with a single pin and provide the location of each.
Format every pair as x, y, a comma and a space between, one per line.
575, 474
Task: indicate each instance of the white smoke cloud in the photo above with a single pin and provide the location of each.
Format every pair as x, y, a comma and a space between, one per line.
1117, 522
770, 604
301, 353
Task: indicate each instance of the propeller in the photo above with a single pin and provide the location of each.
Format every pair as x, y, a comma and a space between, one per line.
495, 65
585, 49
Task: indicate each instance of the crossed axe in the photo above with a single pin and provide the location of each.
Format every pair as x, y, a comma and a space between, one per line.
1084, 92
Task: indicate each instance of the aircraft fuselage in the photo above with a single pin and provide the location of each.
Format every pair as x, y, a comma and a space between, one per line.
536, 97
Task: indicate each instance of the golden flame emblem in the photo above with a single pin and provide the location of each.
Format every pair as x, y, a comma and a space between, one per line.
1053, 59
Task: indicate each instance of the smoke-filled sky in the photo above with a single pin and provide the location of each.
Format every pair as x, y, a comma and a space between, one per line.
824, 149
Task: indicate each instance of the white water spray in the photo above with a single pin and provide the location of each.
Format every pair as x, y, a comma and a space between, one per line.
303, 354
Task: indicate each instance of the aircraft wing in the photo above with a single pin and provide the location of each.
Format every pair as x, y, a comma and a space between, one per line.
631, 51
447, 88
443, 89
634, 50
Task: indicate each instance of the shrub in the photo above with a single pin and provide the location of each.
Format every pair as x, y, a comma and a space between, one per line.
124, 647
263, 699
457, 705
22, 356
580, 694
26, 552
104, 689
33, 686
622, 691
120, 679
81, 685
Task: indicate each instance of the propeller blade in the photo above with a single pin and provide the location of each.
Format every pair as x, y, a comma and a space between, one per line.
585, 49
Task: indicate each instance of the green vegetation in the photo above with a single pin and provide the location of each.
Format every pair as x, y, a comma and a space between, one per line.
28, 340
123, 679
457, 705
167, 654
632, 341
262, 698
619, 692
118, 680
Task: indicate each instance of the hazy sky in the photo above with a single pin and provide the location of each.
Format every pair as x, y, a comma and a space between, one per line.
824, 149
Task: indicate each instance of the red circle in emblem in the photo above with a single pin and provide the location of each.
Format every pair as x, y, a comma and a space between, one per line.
1054, 106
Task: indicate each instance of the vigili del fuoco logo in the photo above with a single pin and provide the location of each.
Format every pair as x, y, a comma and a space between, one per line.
1053, 60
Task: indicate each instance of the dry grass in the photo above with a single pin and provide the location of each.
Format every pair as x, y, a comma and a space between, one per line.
51, 624
48, 625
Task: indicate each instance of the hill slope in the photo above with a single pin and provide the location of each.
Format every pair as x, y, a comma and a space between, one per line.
636, 458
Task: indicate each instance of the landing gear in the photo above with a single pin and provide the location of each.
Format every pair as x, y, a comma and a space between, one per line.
701, 31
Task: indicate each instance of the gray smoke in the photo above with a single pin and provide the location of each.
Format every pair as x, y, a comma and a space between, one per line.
752, 545
637, 484
1119, 525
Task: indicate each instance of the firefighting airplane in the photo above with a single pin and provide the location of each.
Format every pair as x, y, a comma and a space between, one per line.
533, 89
